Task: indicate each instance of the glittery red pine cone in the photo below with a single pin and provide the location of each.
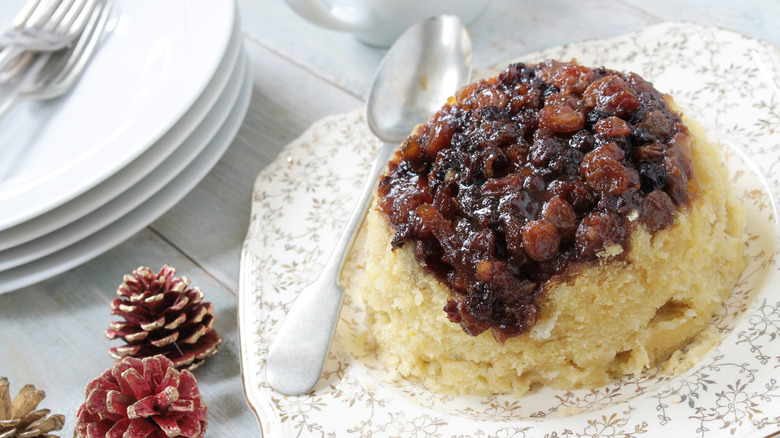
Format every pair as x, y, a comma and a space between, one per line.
163, 315
142, 398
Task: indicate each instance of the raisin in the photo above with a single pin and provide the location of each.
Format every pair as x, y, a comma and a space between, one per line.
514, 319
478, 244
561, 118
452, 311
592, 117
509, 76
657, 211
479, 304
517, 154
568, 77
534, 184
653, 151
434, 221
501, 186
596, 231
676, 181
507, 286
582, 141
611, 95
544, 147
526, 99
411, 149
561, 214
518, 206
499, 132
470, 321
405, 196
659, 125
491, 97
612, 127
623, 204
493, 161
641, 136
440, 137
444, 200
541, 240
482, 210
611, 150
466, 93
652, 175
603, 171
567, 162
575, 192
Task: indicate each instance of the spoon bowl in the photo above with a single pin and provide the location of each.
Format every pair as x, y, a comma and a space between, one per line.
425, 66
417, 75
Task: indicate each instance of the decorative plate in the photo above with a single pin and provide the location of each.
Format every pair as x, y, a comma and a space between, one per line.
730, 83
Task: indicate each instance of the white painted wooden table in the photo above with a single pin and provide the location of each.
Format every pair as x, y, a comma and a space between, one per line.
51, 333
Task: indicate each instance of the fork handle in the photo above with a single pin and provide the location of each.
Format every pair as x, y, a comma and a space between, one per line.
7, 104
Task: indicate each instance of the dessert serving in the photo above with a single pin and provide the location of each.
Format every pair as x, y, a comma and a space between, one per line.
555, 225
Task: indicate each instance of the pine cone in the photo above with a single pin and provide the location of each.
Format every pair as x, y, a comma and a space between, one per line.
20, 419
163, 315
140, 398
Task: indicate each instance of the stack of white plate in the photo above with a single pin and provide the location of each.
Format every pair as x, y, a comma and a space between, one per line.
160, 102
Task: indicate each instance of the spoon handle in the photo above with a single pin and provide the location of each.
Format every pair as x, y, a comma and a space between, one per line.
297, 355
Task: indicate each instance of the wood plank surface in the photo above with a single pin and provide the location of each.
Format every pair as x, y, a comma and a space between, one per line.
51, 333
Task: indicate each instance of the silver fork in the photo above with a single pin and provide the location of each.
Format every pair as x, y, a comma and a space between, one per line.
44, 26
53, 73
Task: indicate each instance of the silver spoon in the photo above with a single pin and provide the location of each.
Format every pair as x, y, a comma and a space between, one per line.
425, 66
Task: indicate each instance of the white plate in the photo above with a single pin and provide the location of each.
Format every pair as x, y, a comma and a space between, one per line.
123, 202
152, 208
154, 62
727, 81
48, 221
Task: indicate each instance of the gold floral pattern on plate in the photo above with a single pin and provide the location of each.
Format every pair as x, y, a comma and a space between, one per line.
728, 82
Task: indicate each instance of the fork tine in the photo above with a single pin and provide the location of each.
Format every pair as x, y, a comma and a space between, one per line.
26, 12
62, 27
34, 10
43, 13
65, 24
77, 18
82, 53
57, 16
